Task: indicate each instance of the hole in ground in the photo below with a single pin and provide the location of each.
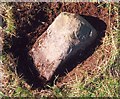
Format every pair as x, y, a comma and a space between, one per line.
25, 63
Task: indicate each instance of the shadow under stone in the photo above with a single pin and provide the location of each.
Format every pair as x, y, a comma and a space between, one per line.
28, 71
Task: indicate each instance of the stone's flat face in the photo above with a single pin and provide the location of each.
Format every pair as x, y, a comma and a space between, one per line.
68, 34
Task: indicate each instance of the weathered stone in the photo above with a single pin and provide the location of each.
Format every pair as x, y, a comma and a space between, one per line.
68, 34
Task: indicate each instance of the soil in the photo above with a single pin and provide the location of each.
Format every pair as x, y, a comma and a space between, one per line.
32, 19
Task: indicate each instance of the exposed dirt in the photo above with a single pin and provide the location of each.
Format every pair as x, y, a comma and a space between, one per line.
32, 19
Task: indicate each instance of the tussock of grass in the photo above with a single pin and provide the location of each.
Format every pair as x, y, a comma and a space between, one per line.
105, 82
8, 18
14, 86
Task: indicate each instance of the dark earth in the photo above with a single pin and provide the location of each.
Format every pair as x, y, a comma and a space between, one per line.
32, 19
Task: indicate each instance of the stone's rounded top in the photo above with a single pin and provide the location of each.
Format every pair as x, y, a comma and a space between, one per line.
71, 16
66, 14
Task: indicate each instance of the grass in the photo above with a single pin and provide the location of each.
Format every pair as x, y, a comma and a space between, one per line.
105, 83
8, 18
13, 85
